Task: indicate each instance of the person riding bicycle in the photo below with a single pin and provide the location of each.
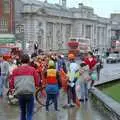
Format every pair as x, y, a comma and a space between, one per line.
53, 85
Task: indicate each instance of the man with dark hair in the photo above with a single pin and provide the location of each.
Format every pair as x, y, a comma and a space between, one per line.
25, 59
24, 80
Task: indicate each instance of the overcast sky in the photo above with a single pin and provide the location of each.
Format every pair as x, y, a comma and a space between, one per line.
101, 7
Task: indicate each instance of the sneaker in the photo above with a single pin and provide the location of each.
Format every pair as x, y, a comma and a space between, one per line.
90, 89
57, 110
72, 105
47, 110
66, 106
81, 100
1, 96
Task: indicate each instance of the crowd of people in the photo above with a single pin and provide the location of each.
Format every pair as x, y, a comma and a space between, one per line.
53, 71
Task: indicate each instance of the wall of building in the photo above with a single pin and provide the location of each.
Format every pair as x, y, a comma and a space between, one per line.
52, 25
7, 16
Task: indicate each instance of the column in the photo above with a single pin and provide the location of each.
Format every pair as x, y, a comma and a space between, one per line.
64, 36
105, 33
44, 36
84, 31
91, 36
108, 35
27, 32
80, 29
54, 37
98, 31
35, 28
100, 37
103, 37
94, 35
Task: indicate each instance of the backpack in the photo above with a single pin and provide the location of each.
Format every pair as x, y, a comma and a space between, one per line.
52, 89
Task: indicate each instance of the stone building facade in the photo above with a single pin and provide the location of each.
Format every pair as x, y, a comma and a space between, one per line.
7, 16
115, 30
115, 26
52, 25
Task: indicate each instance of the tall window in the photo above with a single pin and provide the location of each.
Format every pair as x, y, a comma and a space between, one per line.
49, 35
82, 30
68, 31
88, 31
3, 25
6, 6
98, 36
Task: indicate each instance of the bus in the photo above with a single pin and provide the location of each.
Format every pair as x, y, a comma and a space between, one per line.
84, 44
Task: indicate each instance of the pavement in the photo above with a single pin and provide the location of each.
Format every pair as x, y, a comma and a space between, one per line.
87, 111
109, 73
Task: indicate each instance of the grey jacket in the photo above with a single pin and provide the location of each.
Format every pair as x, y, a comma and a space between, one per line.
24, 85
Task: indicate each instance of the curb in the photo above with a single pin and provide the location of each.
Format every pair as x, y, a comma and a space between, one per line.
113, 107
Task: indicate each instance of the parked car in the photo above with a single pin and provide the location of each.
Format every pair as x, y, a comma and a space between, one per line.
113, 58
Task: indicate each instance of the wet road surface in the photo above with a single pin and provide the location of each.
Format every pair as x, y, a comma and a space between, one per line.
87, 111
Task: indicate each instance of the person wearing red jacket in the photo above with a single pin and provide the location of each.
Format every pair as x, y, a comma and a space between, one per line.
91, 61
24, 80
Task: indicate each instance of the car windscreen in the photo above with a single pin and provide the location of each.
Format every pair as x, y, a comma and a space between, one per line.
5, 51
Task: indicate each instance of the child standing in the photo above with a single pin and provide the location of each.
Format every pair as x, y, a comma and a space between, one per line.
84, 78
53, 85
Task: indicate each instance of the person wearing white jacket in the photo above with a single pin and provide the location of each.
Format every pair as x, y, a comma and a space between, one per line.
73, 75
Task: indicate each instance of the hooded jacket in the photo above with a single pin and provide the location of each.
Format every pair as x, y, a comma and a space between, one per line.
24, 80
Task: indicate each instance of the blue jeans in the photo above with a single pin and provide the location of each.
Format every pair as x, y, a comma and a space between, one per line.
5, 77
71, 94
26, 103
53, 98
84, 90
1, 85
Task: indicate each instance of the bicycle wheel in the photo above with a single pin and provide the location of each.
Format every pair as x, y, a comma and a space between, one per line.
11, 98
41, 96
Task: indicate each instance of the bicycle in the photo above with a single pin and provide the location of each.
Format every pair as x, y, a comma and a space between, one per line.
11, 97
41, 96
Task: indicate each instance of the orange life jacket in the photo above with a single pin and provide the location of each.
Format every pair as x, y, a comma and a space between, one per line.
51, 76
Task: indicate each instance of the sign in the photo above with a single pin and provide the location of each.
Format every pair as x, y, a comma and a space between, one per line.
7, 40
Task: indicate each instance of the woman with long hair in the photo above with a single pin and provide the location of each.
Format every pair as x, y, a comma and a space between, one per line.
91, 61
